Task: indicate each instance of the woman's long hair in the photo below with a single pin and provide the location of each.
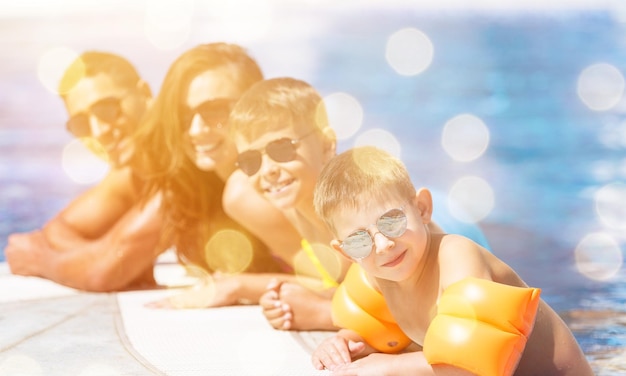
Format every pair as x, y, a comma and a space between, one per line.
191, 198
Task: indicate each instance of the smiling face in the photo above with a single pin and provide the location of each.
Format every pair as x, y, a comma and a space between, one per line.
107, 112
210, 97
394, 259
290, 184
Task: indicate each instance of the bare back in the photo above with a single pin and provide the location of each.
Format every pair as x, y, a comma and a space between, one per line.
551, 348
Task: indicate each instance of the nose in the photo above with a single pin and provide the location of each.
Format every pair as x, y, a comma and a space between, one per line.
197, 126
269, 168
98, 127
382, 243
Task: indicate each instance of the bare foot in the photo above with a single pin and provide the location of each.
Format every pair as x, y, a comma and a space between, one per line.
304, 309
276, 313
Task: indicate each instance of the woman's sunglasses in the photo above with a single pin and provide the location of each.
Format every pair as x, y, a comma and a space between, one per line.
107, 110
281, 150
214, 112
360, 243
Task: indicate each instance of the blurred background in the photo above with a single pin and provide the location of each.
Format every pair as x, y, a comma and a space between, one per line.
512, 109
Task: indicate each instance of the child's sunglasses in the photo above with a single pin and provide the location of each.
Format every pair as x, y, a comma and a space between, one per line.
107, 110
360, 243
281, 150
214, 112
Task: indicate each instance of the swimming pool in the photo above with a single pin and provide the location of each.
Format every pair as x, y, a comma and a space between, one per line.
547, 154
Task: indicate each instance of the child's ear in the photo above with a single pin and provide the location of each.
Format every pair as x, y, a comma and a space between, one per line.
330, 143
423, 201
336, 244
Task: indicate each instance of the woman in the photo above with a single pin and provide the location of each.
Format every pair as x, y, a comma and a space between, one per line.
187, 156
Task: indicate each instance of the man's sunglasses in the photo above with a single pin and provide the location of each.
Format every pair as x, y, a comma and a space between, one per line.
214, 112
107, 110
360, 243
281, 150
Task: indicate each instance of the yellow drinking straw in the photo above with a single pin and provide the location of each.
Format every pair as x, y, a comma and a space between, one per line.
327, 280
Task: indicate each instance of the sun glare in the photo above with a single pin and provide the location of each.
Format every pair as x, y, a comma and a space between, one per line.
20, 365
471, 199
600, 86
465, 138
598, 256
345, 114
229, 251
52, 65
81, 164
409, 51
381, 139
611, 205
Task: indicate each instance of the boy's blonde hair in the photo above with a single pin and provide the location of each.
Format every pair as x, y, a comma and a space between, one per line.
275, 104
357, 177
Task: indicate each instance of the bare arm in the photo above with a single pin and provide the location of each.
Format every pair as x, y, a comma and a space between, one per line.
100, 242
221, 290
243, 204
93, 214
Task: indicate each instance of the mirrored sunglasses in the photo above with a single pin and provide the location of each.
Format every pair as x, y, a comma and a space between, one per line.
107, 110
360, 243
214, 112
281, 150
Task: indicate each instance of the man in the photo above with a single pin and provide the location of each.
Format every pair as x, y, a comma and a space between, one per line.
104, 240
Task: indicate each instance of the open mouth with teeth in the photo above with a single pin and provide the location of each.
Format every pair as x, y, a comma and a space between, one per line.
206, 148
278, 187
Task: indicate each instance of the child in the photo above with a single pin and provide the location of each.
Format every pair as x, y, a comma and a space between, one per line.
282, 135
430, 282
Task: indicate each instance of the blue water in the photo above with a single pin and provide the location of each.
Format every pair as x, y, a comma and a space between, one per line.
547, 152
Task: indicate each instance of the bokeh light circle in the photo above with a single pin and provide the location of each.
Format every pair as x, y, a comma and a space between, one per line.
167, 24
598, 256
611, 205
600, 86
471, 199
465, 137
81, 164
380, 138
20, 365
345, 114
52, 65
229, 251
409, 51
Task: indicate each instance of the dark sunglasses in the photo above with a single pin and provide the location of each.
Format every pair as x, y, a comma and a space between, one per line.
107, 110
214, 112
281, 150
360, 243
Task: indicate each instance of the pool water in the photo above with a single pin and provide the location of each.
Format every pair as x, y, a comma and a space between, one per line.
547, 155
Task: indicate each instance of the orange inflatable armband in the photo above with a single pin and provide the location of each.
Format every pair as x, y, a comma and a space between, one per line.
482, 326
358, 306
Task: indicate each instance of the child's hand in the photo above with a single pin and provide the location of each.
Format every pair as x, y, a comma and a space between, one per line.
278, 314
335, 352
372, 365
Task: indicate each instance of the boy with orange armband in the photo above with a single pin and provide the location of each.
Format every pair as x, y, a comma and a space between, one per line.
468, 311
